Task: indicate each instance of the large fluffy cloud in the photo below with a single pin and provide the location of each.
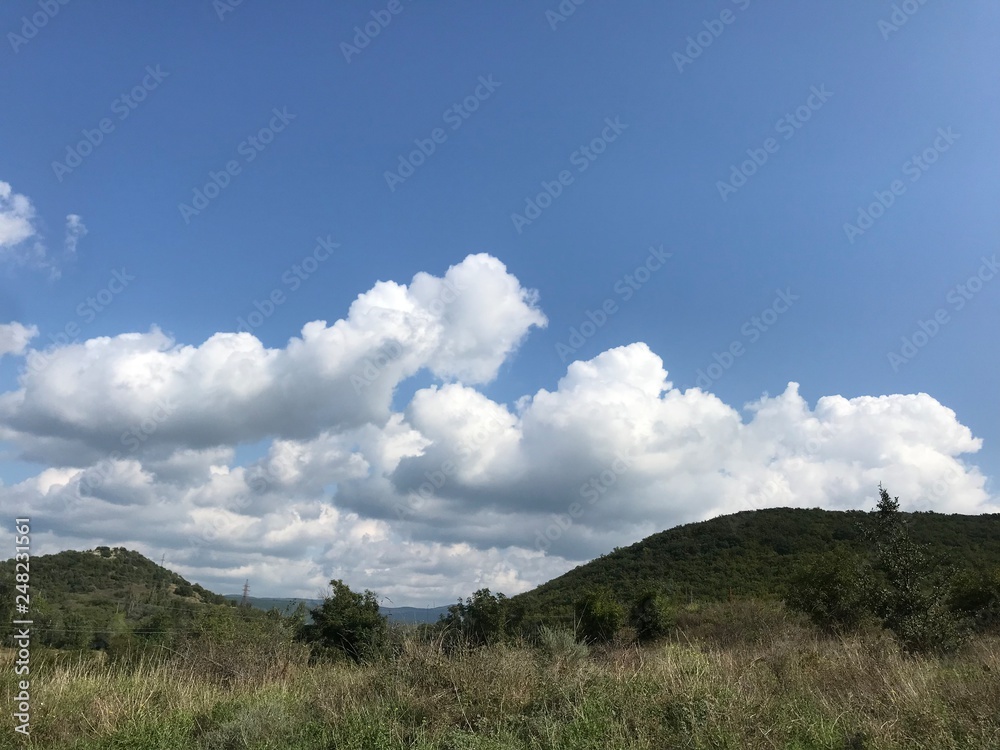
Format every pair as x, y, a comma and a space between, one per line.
616, 452
142, 437
81, 401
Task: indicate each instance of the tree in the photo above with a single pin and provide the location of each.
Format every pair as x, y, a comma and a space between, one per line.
78, 632
298, 616
482, 619
116, 639
349, 623
652, 616
899, 582
600, 616
162, 626
184, 589
909, 589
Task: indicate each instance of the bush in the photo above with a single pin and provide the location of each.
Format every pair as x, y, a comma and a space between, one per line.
830, 592
652, 616
184, 589
482, 619
348, 623
931, 629
240, 645
600, 616
78, 632
741, 623
561, 645
976, 596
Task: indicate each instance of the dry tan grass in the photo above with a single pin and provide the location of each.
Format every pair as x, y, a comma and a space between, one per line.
784, 688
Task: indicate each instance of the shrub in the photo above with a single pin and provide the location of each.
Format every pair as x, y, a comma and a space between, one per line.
78, 632
561, 645
976, 596
482, 619
184, 589
741, 623
239, 644
933, 628
349, 623
600, 616
830, 592
652, 616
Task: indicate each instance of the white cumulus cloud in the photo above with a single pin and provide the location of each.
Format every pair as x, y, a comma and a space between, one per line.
147, 442
77, 401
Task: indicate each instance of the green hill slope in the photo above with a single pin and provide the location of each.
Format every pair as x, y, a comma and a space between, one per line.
107, 576
83, 598
752, 553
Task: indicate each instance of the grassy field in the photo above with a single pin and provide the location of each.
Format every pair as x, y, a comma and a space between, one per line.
740, 676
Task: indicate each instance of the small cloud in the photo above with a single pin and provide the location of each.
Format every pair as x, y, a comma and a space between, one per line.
14, 338
21, 241
16, 219
75, 229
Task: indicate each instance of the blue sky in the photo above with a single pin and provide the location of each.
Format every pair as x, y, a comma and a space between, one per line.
847, 101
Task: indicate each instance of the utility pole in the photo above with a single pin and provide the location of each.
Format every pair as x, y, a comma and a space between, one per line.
245, 601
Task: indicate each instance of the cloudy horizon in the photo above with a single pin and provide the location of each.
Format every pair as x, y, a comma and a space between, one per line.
432, 297
424, 501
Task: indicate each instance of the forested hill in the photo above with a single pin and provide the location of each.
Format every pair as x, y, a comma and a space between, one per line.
753, 553
79, 596
106, 576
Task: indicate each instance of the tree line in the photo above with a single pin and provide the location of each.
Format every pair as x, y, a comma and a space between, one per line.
908, 588
890, 580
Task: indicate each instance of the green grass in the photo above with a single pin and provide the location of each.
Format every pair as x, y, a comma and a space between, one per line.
716, 683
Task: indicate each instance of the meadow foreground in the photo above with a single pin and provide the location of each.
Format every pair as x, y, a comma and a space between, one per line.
738, 675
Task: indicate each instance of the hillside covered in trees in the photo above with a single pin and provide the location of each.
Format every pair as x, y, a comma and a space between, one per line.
84, 599
753, 554
881, 593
